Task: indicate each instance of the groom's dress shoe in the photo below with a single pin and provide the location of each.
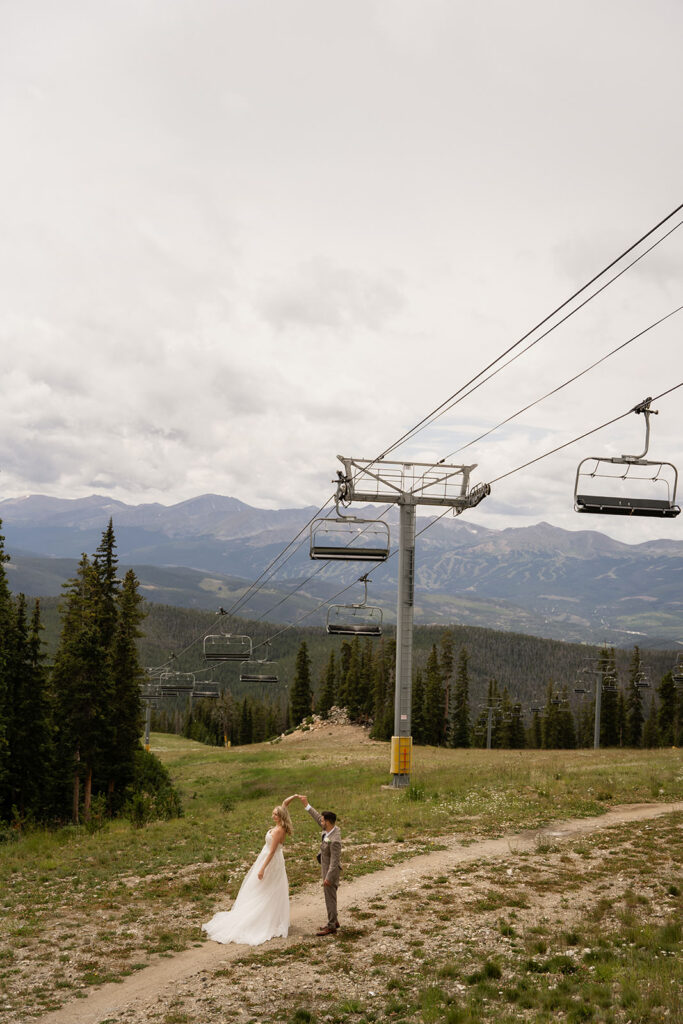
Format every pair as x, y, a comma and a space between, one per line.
326, 931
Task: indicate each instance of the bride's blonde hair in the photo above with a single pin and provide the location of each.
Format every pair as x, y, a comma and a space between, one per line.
285, 819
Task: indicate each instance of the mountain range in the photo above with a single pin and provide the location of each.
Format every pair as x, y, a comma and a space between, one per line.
541, 580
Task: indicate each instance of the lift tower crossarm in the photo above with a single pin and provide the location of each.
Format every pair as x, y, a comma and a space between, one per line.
397, 482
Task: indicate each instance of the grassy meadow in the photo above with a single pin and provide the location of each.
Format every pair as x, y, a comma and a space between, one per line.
80, 907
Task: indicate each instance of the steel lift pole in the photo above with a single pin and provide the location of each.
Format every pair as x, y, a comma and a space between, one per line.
401, 743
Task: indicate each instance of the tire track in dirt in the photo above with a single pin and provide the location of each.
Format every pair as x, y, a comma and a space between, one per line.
140, 990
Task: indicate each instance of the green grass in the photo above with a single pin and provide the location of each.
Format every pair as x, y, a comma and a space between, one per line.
111, 900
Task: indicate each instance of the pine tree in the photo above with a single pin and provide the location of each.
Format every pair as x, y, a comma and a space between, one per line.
127, 675
650, 731
417, 713
516, 733
586, 725
327, 690
383, 691
447, 666
536, 731
80, 678
343, 679
609, 717
634, 702
353, 687
551, 727
459, 734
666, 716
367, 679
301, 697
567, 728
246, 723
28, 734
434, 701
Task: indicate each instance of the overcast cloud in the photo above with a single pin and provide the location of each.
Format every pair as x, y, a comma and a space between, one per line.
237, 239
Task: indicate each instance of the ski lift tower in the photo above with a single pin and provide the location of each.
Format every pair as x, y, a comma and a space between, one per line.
406, 485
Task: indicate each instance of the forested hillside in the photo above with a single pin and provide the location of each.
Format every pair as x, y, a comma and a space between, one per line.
524, 664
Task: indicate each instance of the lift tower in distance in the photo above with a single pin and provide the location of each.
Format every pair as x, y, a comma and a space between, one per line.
406, 485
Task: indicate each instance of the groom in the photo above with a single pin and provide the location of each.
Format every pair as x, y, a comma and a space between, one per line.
329, 859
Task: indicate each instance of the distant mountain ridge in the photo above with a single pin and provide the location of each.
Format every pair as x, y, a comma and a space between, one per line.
578, 585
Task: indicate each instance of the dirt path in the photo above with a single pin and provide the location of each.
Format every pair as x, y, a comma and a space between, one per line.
139, 991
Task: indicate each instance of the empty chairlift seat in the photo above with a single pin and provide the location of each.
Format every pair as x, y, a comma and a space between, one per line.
261, 670
627, 485
350, 539
224, 647
354, 620
626, 488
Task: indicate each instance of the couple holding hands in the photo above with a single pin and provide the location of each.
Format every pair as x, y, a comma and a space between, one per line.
261, 909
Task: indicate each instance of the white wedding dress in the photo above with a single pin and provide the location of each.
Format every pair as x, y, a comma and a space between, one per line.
261, 909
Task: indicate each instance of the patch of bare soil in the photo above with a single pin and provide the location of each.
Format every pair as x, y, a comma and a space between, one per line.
441, 907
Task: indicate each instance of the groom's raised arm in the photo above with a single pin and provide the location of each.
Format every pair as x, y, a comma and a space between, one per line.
311, 810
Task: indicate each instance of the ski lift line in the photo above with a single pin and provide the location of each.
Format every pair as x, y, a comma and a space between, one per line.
588, 433
245, 596
339, 593
308, 580
430, 416
566, 383
462, 397
242, 600
448, 403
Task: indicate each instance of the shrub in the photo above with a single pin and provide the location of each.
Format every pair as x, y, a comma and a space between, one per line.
151, 794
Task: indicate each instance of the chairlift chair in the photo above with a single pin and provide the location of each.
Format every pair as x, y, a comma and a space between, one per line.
259, 670
182, 681
650, 492
225, 647
355, 619
349, 539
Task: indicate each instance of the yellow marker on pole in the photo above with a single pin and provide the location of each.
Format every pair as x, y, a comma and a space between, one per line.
401, 755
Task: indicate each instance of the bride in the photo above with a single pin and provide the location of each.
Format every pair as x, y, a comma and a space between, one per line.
261, 910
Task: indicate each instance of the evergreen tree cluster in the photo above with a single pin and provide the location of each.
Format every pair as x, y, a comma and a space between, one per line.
225, 721
361, 680
70, 737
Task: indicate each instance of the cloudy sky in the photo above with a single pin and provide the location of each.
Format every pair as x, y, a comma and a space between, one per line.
239, 237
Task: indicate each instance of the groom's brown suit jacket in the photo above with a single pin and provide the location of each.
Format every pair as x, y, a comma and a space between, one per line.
330, 850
